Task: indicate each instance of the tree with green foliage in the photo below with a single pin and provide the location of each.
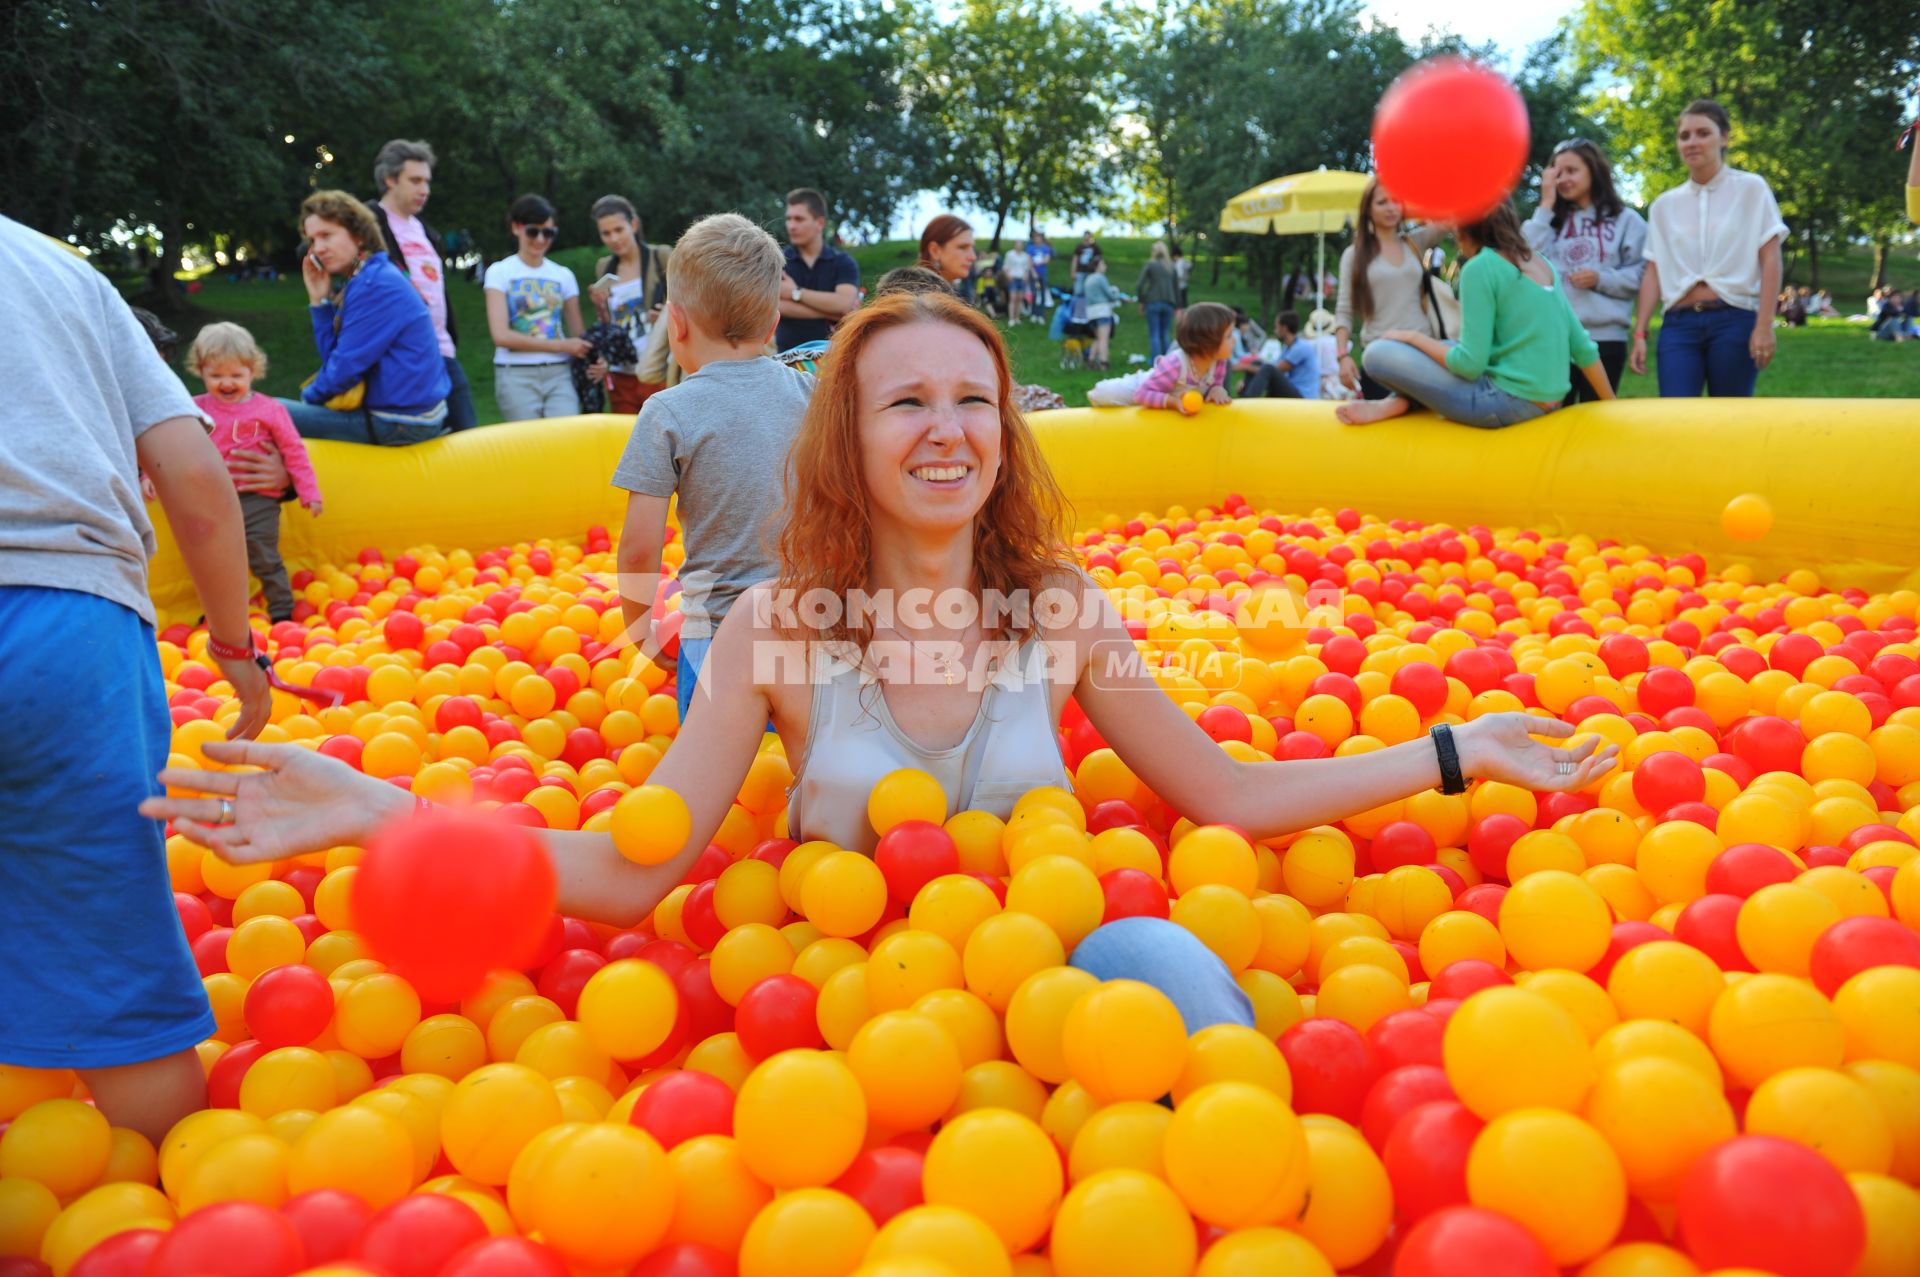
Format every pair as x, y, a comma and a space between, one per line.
1019, 92
1814, 89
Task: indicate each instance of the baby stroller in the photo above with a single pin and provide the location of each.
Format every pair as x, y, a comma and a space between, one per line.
1072, 329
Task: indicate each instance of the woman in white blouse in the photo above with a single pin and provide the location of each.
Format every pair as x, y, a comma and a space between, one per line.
1713, 265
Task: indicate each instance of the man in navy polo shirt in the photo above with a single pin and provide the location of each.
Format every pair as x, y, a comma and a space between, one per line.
820, 283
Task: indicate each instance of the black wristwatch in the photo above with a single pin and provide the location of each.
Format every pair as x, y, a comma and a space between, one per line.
1451, 779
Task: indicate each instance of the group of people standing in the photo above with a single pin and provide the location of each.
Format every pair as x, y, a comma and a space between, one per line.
1561, 306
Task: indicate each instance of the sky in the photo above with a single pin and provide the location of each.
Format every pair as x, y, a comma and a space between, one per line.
1510, 24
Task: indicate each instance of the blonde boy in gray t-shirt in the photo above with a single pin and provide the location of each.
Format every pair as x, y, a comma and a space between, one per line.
719, 439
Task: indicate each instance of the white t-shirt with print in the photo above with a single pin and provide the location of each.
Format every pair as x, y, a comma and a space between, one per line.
536, 299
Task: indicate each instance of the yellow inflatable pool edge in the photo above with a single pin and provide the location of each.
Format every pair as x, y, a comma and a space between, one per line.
1839, 474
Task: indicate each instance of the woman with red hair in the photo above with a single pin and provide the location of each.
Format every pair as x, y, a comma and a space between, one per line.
927, 615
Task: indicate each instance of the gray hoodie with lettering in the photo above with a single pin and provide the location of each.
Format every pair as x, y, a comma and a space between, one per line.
1614, 247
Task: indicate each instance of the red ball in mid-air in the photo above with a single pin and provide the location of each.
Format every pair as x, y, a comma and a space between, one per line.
1450, 139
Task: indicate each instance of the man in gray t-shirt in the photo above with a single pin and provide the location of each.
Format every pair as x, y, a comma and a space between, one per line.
719, 441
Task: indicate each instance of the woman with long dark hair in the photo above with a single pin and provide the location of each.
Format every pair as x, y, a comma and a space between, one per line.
1518, 335
1381, 278
1598, 246
1713, 267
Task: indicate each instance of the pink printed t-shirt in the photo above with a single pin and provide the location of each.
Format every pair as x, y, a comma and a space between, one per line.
424, 269
252, 421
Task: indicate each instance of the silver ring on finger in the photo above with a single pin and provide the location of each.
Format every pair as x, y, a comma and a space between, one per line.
1566, 769
226, 811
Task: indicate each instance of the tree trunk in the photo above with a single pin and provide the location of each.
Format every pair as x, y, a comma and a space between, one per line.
999, 223
1813, 256
1879, 280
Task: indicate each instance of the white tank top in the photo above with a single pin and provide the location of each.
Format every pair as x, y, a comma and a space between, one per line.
852, 741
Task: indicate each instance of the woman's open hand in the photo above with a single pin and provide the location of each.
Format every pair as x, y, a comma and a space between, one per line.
1637, 356
301, 801
1503, 747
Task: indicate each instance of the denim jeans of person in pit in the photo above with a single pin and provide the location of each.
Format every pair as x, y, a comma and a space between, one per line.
1707, 350
1410, 371
1172, 960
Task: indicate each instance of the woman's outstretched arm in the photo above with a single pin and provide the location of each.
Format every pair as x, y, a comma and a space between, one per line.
1193, 775
301, 801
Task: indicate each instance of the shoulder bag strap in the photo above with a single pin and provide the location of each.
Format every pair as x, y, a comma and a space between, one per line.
1426, 289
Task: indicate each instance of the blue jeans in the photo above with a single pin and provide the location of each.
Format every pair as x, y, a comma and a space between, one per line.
1707, 349
1172, 960
1159, 328
693, 654
362, 425
460, 410
1409, 371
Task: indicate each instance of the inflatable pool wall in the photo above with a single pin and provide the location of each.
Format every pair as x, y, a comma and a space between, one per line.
1843, 476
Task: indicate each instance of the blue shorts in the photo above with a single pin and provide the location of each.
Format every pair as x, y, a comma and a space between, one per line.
94, 968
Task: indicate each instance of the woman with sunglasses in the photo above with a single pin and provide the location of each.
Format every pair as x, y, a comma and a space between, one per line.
1713, 266
533, 312
1597, 246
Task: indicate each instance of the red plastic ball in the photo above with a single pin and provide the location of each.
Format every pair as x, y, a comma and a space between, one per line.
1666, 779
686, 1259
1484, 900
1426, 1158
912, 854
416, 1236
1708, 925
1767, 743
707, 1012
1853, 945
1133, 893
125, 1254
448, 897
1466, 977
1759, 1201
1467, 1239
1398, 1093
1744, 868
1450, 139
562, 979
505, 1257
1399, 843
329, 1221
683, 1105
698, 916
1490, 839
229, 1239
884, 1180
1404, 1038
1423, 684
288, 1006
1663, 689
778, 1014
1332, 1067
223, 1079
1225, 723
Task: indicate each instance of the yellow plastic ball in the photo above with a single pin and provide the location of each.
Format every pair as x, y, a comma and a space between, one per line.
1237, 1156
651, 824
357, 1149
1658, 1115
628, 1008
1124, 1040
843, 894
1061, 892
63, 1144
1131, 1135
1257, 1252
906, 794
999, 1166
604, 1197
1122, 1223
1349, 1199
1767, 1023
1554, 919
491, 1115
1892, 1211
1829, 1112
1879, 1010
1037, 1019
1666, 980
1778, 925
908, 1068
810, 1232
1507, 1048
800, 1119
1747, 517
1553, 1173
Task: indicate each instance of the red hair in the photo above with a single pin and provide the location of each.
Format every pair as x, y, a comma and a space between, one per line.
1019, 544
942, 230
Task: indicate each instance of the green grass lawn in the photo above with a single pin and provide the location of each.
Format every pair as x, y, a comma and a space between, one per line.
1827, 358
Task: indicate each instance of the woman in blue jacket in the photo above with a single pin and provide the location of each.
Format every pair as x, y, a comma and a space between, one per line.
377, 333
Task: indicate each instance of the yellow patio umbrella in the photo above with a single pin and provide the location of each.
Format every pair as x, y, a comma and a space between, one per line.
1299, 204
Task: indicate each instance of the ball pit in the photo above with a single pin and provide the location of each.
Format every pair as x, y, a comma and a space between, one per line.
1611, 1032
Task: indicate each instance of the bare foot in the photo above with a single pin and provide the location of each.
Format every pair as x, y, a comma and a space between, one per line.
1364, 412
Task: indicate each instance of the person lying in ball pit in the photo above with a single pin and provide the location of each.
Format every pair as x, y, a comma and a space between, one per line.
912, 473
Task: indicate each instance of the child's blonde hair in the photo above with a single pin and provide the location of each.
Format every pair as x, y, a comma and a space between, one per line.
725, 273
225, 341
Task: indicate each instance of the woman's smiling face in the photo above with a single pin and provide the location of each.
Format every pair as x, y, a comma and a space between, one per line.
929, 426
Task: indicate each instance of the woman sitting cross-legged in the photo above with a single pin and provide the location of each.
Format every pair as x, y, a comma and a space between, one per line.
914, 478
1518, 337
